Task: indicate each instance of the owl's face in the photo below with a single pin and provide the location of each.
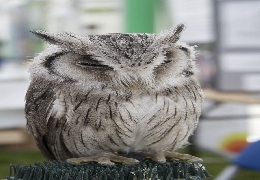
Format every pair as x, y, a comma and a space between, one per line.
116, 60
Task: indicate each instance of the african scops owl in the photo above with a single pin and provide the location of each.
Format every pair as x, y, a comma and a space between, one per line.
104, 97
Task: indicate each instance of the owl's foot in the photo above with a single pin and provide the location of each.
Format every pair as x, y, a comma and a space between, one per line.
174, 156
106, 159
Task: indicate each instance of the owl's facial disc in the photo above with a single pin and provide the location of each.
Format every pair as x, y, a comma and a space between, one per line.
130, 61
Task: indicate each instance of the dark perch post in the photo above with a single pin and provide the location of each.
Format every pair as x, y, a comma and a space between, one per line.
146, 169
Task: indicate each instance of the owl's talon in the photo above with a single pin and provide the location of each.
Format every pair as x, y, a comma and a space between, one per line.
123, 160
161, 158
179, 156
105, 159
81, 160
157, 158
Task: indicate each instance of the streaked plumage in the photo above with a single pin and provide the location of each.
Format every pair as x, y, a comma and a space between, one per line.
114, 93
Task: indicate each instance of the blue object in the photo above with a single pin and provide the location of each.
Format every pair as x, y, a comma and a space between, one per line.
249, 157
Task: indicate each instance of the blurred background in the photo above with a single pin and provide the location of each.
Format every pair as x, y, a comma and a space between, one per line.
227, 33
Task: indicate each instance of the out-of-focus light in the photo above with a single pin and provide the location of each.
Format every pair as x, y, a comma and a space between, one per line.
252, 139
8, 4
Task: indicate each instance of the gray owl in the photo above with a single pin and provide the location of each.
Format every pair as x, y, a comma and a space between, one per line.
106, 97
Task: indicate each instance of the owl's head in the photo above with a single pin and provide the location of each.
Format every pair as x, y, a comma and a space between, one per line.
116, 60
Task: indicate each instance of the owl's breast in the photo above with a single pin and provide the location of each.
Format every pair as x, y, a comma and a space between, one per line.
158, 121
139, 123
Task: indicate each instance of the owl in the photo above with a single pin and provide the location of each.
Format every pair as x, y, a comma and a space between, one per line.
114, 97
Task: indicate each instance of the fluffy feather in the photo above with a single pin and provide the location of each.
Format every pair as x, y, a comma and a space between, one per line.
125, 93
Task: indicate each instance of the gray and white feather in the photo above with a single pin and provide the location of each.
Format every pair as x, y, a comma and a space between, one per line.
113, 95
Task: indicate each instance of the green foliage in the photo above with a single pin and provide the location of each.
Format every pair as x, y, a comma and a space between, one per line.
17, 157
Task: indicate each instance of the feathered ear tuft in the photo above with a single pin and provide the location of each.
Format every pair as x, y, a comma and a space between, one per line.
50, 38
171, 36
65, 39
177, 31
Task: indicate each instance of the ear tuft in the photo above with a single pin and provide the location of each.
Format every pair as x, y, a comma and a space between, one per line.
171, 36
177, 31
46, 36
64, 39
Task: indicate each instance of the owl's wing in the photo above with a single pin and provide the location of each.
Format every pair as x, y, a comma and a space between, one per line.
38, 99
41, 123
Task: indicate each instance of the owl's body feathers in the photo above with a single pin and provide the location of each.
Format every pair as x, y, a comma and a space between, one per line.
125, 93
